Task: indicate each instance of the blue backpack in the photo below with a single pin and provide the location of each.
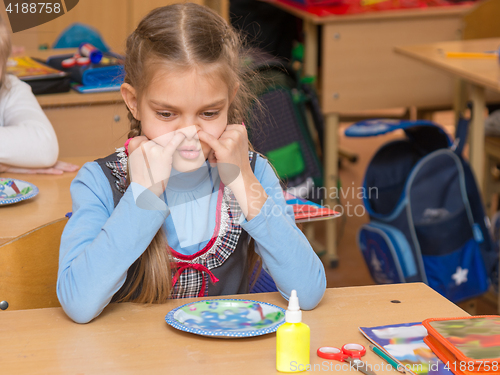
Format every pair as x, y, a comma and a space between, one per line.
427, 221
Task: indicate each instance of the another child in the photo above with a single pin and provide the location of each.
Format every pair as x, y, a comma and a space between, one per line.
28, 143
171, 215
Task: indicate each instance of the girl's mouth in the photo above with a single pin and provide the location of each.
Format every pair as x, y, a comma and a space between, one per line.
189, 154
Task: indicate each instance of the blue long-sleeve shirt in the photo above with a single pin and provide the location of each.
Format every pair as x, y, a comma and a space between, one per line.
100, 242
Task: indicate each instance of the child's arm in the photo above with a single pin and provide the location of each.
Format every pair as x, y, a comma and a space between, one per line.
100, 242
27, 139
58, 168
285, 251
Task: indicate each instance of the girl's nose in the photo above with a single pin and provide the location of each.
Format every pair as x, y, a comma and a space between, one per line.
190, 132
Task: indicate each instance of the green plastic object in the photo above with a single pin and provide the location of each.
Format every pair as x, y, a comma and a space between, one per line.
308, 79
288, 160
298, 52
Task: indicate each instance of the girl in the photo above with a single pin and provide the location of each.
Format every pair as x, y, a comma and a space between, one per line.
171, 215
28, 143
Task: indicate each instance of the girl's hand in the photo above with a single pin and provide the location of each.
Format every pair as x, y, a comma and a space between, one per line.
150, 163
58, 168
229, 152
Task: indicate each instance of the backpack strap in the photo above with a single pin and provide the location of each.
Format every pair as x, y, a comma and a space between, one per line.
460, 135
253, 160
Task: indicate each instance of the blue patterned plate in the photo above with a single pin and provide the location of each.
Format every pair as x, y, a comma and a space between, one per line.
13, 191
227, 318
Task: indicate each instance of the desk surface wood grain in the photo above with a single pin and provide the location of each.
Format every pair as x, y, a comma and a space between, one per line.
483, 72
52, 202
132, 338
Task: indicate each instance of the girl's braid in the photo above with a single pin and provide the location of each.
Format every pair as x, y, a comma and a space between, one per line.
135, 126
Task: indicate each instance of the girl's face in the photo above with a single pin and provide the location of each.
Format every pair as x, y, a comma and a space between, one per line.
184, 101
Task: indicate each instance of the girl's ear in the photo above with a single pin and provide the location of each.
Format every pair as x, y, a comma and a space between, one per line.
130, 97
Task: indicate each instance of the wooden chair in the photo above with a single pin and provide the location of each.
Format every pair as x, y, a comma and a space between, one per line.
28, 268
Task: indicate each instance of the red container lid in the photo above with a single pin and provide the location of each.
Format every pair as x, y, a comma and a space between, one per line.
83, 61
68, 63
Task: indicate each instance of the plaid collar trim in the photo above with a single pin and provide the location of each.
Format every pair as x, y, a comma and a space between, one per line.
119, 169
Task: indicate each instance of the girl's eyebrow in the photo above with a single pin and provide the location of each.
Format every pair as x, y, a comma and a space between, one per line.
169, 106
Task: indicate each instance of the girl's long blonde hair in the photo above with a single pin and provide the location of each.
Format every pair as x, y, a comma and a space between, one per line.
179, 36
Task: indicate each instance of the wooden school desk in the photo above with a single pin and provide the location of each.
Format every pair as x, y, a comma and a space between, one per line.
479, 74
134, 338
360, 71
52, 202
85, 124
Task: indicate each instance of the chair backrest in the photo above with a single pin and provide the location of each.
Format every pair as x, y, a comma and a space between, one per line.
482, 21
28, 268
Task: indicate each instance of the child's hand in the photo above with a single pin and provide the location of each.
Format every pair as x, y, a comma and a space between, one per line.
58, 168
230, 152
151, 163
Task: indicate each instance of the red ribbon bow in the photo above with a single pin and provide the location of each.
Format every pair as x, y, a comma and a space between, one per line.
199, 267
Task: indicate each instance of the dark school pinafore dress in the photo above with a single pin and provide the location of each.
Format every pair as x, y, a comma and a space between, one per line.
221, 267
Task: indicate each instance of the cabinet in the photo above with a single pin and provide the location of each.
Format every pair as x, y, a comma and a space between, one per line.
89, 129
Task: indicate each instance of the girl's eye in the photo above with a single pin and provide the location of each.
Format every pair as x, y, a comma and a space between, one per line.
165, 114
210, 114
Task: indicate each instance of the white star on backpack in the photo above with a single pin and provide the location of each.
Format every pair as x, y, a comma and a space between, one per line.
460, 276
